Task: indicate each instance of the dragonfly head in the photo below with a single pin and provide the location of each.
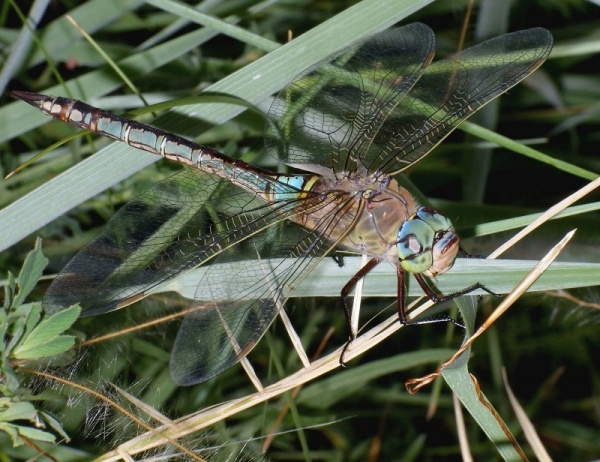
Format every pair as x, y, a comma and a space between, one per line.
427, 243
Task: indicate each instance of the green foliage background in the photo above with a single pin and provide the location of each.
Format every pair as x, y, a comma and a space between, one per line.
548, 343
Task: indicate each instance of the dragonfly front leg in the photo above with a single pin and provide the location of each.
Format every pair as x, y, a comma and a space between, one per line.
401, 274
435, 298
338, 257
344, 294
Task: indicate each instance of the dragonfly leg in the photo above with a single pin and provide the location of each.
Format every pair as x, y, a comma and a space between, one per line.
338, 257
465, 254
401, 297
372, 263
474, 286
434, 297
430, 294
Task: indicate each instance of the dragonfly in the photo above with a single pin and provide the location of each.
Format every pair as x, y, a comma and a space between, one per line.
348, 126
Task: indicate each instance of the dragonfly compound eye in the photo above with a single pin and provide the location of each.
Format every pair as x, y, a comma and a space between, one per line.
427, 243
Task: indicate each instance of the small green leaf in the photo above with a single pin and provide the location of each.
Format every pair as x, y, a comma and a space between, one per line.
30, 274
3, 330
21, 321
36, 434
17, 431
12, 431
45, 339
18, 411
26, 316
9, 290
54, 425
10, 383
52, 347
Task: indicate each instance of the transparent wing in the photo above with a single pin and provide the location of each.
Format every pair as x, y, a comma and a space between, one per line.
451, 90
175, 226
380, 104
332, 112
239, 296
258, 256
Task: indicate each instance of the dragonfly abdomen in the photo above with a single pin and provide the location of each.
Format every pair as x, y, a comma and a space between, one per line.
270, 186
131, 132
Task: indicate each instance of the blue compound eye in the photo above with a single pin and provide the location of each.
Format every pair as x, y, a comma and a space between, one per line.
427, 243
415, 240
437, 221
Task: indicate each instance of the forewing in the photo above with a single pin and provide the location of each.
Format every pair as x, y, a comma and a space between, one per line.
332, 113
176, 225
257, 257
379, 104
451, 90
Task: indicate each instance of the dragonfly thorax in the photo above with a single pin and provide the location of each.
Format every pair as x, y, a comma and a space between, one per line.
427, 243
368, 211
361, 183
